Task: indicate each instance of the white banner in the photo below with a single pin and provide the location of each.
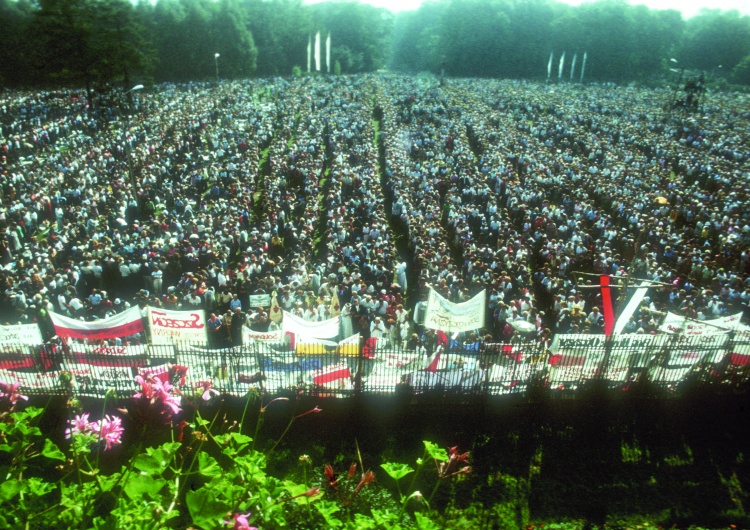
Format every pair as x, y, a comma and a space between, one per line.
328, 329
678, 324
166, 326
20, 334
445, 315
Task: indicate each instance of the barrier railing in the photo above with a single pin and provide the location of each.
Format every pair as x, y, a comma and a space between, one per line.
455, 369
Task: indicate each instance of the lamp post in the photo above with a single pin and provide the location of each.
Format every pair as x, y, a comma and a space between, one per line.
216, 62
127, 142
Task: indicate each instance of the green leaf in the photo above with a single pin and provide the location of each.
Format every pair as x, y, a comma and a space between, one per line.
9, 489
363, 522
240, 439
106, 483
149, 464
166, 451
52, 451
139, 486
385, 519
327, 509
205, 510
435, 451
37, 487
424, 522
208, 466
396, 470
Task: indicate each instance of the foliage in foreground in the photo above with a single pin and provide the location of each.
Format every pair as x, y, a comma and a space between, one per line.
207, 473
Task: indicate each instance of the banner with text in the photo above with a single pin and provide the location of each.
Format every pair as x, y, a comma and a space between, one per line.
445, 315
166, 326
678, 324
28, 334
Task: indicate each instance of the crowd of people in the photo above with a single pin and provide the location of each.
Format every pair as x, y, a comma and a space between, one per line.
368, 191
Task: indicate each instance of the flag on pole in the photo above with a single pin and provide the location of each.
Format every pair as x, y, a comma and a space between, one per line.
549, 64
562, 65
633, 304
573, 66
317, 52
328, 53
583, 65
309, 53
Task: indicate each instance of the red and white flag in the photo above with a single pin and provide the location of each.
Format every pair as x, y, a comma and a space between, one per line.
121, 325
331, 373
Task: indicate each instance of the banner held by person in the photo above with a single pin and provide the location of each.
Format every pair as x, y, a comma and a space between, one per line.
445, 315
167, 326
120, 325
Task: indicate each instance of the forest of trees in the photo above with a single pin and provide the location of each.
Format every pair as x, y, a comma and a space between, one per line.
90, 42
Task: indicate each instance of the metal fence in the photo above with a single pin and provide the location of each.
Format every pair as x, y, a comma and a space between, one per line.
453, 369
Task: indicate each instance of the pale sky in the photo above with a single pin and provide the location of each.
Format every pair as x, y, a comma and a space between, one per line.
687, 7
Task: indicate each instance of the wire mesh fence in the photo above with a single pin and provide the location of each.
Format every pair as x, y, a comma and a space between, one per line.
468, 370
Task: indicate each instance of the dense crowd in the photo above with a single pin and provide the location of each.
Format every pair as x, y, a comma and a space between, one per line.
366, 191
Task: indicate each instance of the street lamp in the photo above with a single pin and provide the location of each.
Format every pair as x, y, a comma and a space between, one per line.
216, 61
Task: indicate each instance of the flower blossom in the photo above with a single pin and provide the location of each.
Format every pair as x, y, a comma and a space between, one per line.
79, 425
110, 430
207, 390
240, 522
10, 391
158, 394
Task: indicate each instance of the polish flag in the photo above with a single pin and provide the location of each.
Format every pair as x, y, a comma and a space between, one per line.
121, 325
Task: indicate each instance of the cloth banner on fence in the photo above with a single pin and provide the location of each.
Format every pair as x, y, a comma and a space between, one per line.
326, 330
102, 355
28, 334
261, 336
120, 325
166, 326
33, 381
678, 324
332, 374
95, 381
445, 315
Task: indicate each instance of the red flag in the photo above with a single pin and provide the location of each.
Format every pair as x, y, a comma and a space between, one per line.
609, 312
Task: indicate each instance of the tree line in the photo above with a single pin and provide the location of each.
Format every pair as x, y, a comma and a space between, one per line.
91, 42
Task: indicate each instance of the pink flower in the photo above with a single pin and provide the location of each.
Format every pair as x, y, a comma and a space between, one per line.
207, 390
79, 425
241, 522
10, 391
158, 394
110, 430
